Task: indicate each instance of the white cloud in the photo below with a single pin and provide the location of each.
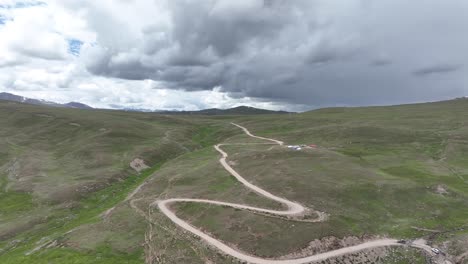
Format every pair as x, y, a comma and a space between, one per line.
36, 61
109, 93
271, 54
29, 35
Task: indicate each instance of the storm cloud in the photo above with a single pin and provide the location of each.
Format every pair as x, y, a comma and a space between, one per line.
437, 69
311, 53
307, 52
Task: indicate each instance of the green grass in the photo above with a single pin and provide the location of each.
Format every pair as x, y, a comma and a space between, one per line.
210, 134
102, 255
376, 172
87, 212
359, 199
224, 184
13, 202
74, 173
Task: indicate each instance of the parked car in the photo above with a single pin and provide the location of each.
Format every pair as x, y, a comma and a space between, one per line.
435, 250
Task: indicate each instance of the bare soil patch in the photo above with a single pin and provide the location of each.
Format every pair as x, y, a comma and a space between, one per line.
441, 189
326, 244
138, 165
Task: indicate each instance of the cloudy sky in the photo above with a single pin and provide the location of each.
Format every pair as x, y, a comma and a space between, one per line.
276, 54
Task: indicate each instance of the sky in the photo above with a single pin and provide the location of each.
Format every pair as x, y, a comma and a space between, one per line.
274, 54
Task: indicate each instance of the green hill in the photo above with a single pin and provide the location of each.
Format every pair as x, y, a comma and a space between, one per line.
53, 159
394, 171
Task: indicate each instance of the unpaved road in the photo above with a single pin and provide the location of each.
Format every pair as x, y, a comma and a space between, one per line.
293, 209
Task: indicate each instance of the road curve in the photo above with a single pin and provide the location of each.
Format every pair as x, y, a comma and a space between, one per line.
293, 209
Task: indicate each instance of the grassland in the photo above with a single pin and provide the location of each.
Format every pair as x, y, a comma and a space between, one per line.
387, 171
378, 171
61, 168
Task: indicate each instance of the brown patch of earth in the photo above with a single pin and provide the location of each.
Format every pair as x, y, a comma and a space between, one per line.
326, 244
138, 165
374, 255
70, 193
456, 249
21, 172
441, 189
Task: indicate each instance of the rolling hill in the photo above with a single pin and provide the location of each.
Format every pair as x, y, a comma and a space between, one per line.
69, 193
240, 110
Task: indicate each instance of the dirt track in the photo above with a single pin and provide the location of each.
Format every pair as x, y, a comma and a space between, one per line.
293, 209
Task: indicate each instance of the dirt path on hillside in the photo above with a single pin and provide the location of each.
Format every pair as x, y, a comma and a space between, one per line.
293, 209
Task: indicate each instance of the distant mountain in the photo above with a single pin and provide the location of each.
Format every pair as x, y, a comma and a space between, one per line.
240, 110
22, 99
77, 105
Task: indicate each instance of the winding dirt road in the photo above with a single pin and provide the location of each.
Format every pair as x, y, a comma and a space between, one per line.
293, 209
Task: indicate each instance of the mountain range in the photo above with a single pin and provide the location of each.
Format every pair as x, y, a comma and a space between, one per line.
240, 110
22, 99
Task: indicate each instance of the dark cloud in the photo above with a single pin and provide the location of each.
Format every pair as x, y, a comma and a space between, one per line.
381, 62
437, 69
226, 27
305, 52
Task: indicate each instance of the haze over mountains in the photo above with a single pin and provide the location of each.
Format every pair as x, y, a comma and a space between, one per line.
22, 99
240, 110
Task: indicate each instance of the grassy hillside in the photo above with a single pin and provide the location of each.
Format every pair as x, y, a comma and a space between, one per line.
387, 171
377, 171
60, 168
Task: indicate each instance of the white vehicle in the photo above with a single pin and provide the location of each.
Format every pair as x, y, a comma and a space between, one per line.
435, 250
